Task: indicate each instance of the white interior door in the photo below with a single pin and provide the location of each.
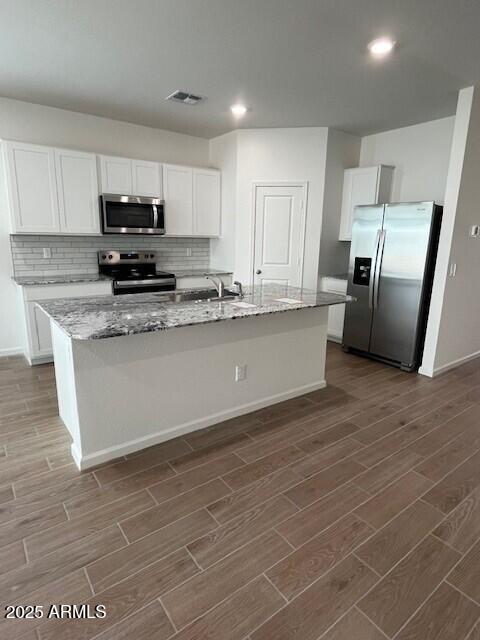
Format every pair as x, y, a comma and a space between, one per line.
279, 234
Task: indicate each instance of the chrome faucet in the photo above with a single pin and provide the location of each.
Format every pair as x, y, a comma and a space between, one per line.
240, 288
219, 285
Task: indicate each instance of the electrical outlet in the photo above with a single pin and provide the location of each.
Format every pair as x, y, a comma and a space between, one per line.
189, 252
452, 269
475, 231
240, 372
47, 252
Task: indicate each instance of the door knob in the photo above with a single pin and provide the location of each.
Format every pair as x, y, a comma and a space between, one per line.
258, 272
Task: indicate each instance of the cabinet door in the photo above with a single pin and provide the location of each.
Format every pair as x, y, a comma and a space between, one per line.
77, 191
39, 330
336, 313
146, 179
178, 192
360, 186
32, 188
206, 202
116, 175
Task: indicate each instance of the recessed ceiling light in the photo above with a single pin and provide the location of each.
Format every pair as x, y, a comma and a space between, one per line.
381, 47
238, 110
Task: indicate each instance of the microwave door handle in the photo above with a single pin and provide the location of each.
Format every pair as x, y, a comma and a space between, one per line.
378, 268
155, 216
372, 271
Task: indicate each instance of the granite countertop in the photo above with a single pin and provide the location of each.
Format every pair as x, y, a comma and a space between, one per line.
29, 281
337, 276
192, 273
110, 316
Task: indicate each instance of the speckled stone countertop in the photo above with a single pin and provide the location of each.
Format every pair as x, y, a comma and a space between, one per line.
337, 276
31, 281
28, 281
110, 316
198, 273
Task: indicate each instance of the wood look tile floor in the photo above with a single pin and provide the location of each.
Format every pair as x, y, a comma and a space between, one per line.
350, 513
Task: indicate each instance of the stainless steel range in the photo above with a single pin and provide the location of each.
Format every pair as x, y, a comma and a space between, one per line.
134, 271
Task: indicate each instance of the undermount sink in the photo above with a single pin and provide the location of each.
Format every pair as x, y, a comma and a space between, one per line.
202, 295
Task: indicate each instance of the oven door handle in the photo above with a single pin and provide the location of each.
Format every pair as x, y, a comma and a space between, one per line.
149, 283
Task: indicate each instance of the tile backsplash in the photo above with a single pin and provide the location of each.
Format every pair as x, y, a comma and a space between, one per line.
78, 254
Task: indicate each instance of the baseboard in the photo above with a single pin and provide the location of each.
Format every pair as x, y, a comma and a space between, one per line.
106, 455
336, 339
77, 458
446, 367
39, 360
13, 351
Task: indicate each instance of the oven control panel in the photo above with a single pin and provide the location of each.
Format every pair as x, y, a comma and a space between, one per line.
111, 256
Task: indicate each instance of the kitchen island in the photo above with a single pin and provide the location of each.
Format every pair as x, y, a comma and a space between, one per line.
135, 370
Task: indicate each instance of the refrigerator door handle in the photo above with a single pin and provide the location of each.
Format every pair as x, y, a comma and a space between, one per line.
373, 271
378, 267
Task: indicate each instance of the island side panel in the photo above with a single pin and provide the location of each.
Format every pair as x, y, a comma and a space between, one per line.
136, 391
66, 391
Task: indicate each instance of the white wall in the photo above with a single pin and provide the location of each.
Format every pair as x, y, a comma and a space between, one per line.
281, 154
11, 328
343, 152
223, 154
420, 155
250, 155
453, 332
46, 125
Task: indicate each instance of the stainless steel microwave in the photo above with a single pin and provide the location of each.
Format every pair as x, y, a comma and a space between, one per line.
132, 214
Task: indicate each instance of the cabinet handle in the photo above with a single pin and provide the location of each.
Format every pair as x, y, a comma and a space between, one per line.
258, 272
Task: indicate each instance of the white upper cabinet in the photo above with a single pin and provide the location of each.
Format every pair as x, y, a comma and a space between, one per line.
130, 177
77, 187
192, 201
116, 175
178, 195
206, 202
32, 188
363, 185
146, 179
56, 191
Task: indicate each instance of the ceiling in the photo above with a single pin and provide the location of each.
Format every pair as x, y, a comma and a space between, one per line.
293, 62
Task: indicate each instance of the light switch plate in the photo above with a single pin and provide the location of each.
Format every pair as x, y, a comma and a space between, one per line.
240, 372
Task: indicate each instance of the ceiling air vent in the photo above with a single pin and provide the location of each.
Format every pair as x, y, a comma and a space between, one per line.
184, 97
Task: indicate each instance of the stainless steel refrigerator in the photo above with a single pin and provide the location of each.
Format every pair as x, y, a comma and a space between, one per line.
392, 261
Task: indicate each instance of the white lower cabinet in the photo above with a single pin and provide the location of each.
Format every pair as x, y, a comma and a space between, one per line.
336, 313
38, 341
